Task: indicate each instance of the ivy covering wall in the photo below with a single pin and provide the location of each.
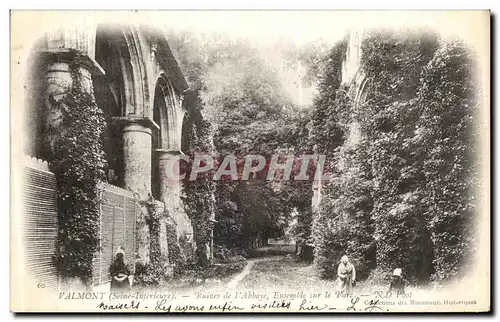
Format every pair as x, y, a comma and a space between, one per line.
403, 191
152, 273
393, 63
77, 160
198, 195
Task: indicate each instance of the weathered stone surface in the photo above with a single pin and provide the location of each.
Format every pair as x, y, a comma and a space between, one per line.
163, 238
137, 159
170, 191
137, 177
59, 83
144, 59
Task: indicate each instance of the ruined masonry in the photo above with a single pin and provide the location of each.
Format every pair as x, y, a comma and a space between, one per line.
138, 84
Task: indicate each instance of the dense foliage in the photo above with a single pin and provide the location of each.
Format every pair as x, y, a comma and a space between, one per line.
402, 196
198, 195
394, 62
243, 98
153, 272
253, 112
77, 160
327, 133
447, 140
176, 253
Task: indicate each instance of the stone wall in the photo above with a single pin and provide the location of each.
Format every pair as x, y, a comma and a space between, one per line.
149, 72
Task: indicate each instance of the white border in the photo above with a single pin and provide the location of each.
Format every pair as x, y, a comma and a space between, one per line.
151, 5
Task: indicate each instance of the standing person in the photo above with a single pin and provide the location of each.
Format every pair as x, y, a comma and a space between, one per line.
397, 281
346, 275
119, 273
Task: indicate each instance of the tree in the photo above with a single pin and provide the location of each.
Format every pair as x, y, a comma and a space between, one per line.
244, 100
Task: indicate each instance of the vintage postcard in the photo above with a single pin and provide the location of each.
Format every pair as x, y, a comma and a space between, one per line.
250, 161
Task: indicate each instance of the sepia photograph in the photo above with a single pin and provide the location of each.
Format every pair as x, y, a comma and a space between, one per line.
250, 161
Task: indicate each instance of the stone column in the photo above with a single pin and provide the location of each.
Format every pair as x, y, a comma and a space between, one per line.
137, 174
58, 85
170, 189
137, 158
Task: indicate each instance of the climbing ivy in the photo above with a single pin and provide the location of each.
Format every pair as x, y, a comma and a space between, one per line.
403, 189
77, 160
198, 198
327, 134
152, 273
176, 254
152, 219
446, 142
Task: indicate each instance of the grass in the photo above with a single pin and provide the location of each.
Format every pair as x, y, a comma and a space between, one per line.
281, 273
199, 278
273, 268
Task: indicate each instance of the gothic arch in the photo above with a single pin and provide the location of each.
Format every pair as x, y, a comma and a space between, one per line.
126, 53
166, 111
165, 138
119, 92
138, 63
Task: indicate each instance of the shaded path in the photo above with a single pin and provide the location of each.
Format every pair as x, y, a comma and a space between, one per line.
273, 271
279, 272
274, 266
284, 272
233, 283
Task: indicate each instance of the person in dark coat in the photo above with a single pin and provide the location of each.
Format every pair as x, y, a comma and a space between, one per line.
397, 281
119, 273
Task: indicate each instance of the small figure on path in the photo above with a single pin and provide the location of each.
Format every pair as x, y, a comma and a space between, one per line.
397, 281
346, 275
119, 273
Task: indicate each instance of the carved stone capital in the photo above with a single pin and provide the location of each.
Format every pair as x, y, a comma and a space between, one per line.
68, 55
163, 154
146, 122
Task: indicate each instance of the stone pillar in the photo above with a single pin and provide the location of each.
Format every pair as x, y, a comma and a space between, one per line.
170, 190
170, 193
137, 158
137, 175
59, 83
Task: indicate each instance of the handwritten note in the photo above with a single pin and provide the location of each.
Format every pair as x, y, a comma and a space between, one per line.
238, 301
